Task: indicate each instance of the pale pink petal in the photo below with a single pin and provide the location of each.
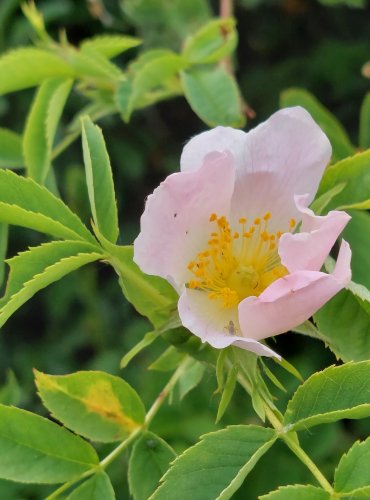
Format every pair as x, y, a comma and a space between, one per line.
284, 156
217, 139
309, 248
293, 299
214, 324
175, 224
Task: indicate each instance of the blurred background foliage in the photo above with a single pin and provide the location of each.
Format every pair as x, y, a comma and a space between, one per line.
82, 322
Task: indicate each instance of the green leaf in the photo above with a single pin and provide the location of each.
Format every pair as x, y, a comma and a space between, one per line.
4, 234
364, 138
333, 394
355, 172
146, 341
214, 96
99, 180
338, 137
215, 40
361, 293
357, 233
151, 296
289, 368
36, 450
25, 203
154, 78
303, 492
97, 487
17, 73
350, 3
94, 404
190, 378
89, 64
362, 205
110, 45
320, 203
220, 369
152, 455
10, 392
352, 474
345, 324
216, 466
227, 392
41, 126
10, 149
49, 265
26, 265
168, 361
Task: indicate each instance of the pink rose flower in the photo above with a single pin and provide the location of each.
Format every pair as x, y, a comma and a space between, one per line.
233, 234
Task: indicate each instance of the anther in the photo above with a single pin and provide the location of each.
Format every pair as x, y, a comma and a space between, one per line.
257, 221
213, 217
292, 223
242, 220
267, 216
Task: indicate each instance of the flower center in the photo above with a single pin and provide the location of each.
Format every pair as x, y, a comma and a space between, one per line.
237, 264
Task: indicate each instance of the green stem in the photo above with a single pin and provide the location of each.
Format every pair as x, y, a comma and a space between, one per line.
290, 439
149, 416
306, 460
126, 443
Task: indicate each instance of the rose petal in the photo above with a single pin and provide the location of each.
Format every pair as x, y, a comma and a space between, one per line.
291, 300
309, 248
284, 156
175, 224
212, 323
217, 139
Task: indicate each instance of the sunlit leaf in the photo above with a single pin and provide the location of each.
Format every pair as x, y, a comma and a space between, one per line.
17, 73
110, 45
37, 268
99, 180
354, 171
41, 126
25, 203
215, 40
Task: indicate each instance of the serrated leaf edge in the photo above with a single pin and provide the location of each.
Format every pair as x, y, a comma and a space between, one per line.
291, 426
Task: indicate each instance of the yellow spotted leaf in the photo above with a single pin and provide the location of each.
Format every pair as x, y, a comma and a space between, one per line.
93, 404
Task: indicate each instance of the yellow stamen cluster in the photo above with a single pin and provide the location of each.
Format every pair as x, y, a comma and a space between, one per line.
237, 264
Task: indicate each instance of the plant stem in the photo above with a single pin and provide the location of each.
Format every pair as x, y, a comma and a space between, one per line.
290, 439
125, 444
306, 460
149, 416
